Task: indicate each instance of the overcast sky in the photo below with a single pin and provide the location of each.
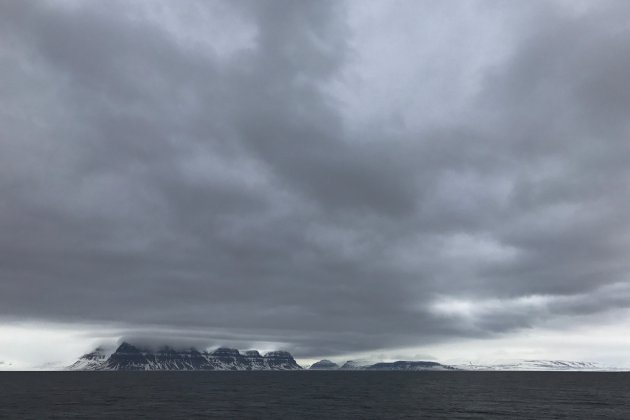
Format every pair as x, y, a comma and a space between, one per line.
413, 178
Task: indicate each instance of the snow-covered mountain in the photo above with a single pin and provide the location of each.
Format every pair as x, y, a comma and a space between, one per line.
91, 361
541, 365
398, 365
129, 357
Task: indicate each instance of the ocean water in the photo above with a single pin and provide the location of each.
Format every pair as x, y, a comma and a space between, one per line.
328, 394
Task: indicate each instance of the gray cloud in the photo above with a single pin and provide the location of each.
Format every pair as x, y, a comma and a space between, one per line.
186, 179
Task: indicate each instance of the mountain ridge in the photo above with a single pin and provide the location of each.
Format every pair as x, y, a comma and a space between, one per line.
128, 357
363, 364
131, 358
324, 364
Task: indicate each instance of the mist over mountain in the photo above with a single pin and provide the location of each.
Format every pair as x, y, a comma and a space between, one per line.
130, 357
139, 357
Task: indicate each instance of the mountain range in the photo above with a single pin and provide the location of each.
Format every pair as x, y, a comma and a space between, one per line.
505, 365
372, 365
130, 357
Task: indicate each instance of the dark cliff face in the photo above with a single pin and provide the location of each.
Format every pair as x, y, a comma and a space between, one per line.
255, 360
226, 353
126, 357
224, 359
280, 360
190, 359
129, 357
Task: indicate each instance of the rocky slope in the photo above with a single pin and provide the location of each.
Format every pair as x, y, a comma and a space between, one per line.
91, 361
128, 357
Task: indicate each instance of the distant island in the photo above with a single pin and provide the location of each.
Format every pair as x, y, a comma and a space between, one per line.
128, 357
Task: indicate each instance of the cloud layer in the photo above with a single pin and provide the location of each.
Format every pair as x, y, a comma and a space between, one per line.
337, 177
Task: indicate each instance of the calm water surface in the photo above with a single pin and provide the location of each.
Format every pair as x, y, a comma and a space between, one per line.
444, 395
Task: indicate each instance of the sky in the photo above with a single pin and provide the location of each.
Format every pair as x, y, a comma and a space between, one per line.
408, 179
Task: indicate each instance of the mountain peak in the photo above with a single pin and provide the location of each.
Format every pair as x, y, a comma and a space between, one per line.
127, 348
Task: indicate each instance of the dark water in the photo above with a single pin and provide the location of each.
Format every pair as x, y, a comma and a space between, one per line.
448, 395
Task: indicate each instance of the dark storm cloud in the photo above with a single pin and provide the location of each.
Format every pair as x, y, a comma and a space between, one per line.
169, 186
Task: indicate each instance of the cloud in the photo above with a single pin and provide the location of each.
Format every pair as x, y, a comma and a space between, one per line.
318, 175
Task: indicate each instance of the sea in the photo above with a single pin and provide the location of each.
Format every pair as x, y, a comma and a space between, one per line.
315, 395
